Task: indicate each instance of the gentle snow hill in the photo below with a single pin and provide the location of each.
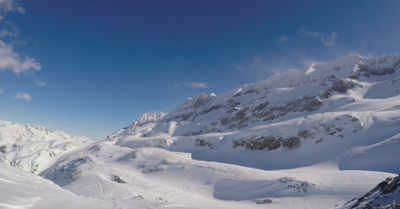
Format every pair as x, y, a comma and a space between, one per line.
154, 177
347, 110
20, 189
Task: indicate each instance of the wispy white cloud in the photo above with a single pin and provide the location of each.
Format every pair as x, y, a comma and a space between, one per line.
1, 91
38, 81
9, 60
283, 39
192, 85
257, 59
9, 30
239, 67
264, 67
20, 95
7, 6
328, 41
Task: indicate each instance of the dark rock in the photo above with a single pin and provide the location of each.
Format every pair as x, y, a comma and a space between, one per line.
260, 106
3, 148
205, 143
267, 201
291, 142
251, 91
117, 179
339, 86
368, 71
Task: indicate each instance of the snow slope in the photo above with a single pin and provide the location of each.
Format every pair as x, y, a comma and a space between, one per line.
20, 189
301, 139
337, 111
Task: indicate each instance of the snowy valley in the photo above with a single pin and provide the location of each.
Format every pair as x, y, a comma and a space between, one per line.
323, 137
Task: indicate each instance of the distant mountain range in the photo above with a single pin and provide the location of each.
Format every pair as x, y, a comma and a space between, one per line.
304, 138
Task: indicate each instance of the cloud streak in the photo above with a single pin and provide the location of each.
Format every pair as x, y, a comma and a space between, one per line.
37, 81
24, 96
283, 39
11, 30
1, 91
9, 6
192, 84
239, 67
328, 41
9, 59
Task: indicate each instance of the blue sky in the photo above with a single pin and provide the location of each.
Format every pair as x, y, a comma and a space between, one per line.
92, 67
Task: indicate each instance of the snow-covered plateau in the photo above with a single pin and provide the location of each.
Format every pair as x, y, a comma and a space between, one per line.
324, 137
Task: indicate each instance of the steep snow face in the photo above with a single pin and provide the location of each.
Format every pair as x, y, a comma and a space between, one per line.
142, 126
384, 90
385, 195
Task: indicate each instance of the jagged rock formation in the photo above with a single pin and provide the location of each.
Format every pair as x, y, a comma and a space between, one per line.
384, 196
141, 127
280, 97
148, 118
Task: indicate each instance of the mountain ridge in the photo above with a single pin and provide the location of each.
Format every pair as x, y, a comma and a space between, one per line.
282, 94
301, 139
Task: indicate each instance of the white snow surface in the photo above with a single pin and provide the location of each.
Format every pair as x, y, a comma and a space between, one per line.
301, 139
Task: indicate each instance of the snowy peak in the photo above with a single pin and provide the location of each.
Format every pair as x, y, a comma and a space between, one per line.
32, 147
11, 133
148, 118
197, 102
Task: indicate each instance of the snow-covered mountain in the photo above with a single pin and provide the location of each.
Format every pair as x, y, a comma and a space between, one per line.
320, 88
32, 147
337, 111
148, 118
312, 138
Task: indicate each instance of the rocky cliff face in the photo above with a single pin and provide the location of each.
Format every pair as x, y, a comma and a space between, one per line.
319, 88
346, 111
148, 118
142, 126
384, 196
